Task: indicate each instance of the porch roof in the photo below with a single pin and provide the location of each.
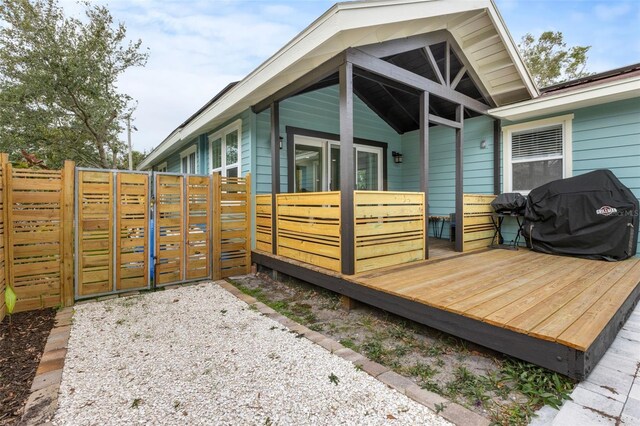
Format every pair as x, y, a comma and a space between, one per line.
476, 25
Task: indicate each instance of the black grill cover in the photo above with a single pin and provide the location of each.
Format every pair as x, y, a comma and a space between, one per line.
592, 216
509, 202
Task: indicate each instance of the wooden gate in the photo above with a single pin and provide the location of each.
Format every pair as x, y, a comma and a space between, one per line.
112, 232
182, 228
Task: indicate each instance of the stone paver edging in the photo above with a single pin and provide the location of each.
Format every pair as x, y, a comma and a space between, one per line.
43, 401
452, 412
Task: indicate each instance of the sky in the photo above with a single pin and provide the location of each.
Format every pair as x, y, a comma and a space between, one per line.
197, 47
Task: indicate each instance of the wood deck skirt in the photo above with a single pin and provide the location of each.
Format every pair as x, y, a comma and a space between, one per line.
553, 355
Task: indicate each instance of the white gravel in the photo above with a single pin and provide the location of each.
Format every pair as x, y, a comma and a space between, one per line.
198, 355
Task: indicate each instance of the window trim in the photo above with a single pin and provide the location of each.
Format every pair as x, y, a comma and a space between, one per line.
193, 149
161, 166
221, 134
567, 147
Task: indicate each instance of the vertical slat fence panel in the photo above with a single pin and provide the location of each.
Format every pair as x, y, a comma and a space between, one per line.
94, 233
169, 229
233, 217
34, 204
198, 245
132, 231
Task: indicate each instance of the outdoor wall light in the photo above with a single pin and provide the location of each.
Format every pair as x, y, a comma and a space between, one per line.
483, 144
281, 139
397, 157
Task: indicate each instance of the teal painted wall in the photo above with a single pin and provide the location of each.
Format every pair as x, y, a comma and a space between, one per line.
605, 137
478, 164
203, 160
319, 110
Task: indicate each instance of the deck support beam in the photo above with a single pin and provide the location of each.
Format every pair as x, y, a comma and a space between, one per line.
424, 164
459, 179
275, 172
496, 157
347, 174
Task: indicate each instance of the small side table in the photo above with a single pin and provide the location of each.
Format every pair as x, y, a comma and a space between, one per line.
435, 220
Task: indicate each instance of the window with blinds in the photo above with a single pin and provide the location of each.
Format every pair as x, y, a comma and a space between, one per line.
536, 157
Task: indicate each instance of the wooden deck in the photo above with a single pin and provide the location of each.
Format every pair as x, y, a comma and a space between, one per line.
568, 307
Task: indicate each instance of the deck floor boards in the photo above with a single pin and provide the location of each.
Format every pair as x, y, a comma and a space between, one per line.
559, 299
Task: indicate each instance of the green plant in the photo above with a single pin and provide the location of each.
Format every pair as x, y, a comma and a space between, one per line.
136, 403
539, 385
439, 407
349, 343
422, 371
334, 379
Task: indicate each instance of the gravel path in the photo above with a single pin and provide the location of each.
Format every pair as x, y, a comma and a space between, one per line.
198, 355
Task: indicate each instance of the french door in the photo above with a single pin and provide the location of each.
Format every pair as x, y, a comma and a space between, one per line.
318, 165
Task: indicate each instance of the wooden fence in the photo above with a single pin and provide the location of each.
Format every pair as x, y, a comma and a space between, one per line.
309, 228
478, 229
389, 228
264, 240
232, 225
206, 233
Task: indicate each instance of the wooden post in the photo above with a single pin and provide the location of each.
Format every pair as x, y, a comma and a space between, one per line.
347, 174
459, 179
347, 303
248, 224
217, 225
275, 172
424, 164
496, 157
4, 159
68, 192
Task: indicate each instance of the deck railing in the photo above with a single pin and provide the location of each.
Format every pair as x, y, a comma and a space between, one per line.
263, 222
308, 228
389, 228
477, 223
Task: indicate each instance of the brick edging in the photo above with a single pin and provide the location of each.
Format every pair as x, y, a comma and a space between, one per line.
455, 413
43, 399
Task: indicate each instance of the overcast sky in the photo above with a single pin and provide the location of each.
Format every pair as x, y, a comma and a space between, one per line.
197, 47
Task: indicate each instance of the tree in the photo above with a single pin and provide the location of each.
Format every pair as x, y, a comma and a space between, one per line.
58, 82
550, 61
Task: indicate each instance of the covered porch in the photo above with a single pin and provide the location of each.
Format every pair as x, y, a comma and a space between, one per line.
347, 217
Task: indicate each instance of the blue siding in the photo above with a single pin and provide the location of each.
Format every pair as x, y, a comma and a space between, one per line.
203, 162
606, 137
478, 164
319, 110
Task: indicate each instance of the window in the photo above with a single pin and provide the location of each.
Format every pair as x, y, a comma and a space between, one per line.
536, 153
162, 167
316, 171
188, 160
225, 150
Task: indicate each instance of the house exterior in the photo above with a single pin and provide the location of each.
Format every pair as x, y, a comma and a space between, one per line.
593, 123
382, 131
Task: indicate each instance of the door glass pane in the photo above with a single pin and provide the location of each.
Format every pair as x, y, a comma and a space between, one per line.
530, 175
334, 183
185, 163
232, 148
232, 172
216, 153
309, 168
367, 171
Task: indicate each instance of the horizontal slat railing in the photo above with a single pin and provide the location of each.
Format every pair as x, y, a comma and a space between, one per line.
478, 229
389, 228
309, 228
263, 222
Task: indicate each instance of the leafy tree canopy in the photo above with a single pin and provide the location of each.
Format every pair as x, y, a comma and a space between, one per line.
550, 61
58, 82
